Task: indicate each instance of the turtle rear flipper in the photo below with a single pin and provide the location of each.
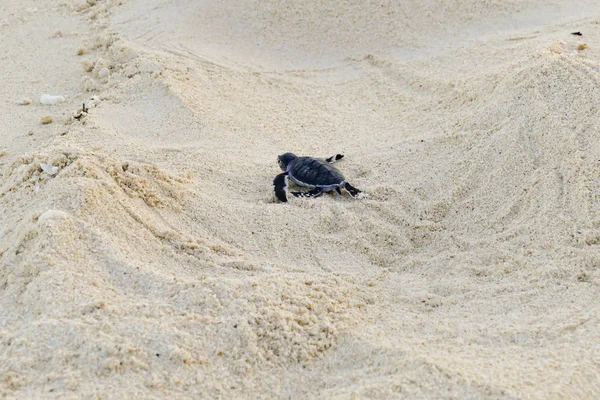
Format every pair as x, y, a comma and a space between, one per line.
334, 158
281, 184
311, 193
354, 192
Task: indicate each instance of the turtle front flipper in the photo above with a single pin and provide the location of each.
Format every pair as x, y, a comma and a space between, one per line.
334, 158
354, 192
281, 184
311, 193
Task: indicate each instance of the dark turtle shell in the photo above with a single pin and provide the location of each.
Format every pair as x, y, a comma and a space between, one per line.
310, 171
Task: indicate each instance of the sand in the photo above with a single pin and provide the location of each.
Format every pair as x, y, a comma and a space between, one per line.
156, 263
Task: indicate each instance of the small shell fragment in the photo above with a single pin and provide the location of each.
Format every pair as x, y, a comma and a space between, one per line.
24, 101
50, 99
557, 48
49, 169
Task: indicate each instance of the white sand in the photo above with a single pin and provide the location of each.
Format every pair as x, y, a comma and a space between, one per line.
156, 263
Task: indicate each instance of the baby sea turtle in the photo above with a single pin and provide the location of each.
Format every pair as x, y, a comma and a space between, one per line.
314, 173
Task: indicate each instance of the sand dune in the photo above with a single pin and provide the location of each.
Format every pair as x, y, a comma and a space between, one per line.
157, 263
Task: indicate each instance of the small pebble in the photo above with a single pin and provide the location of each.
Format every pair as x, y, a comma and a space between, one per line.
50, 99
24, 101
81, 51
582, 46
47, 120
103, 73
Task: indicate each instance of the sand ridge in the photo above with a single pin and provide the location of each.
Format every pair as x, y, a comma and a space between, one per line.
156, 261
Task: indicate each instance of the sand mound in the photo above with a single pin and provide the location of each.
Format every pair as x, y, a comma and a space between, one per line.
154, 260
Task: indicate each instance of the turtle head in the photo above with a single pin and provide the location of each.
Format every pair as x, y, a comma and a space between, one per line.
285, 159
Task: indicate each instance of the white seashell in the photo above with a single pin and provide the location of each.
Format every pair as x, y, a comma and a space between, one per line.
50, 99
49, 169
24, 101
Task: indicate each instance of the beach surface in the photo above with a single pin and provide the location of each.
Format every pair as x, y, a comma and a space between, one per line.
143, 253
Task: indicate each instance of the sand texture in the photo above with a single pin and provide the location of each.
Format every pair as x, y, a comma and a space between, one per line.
148, 258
